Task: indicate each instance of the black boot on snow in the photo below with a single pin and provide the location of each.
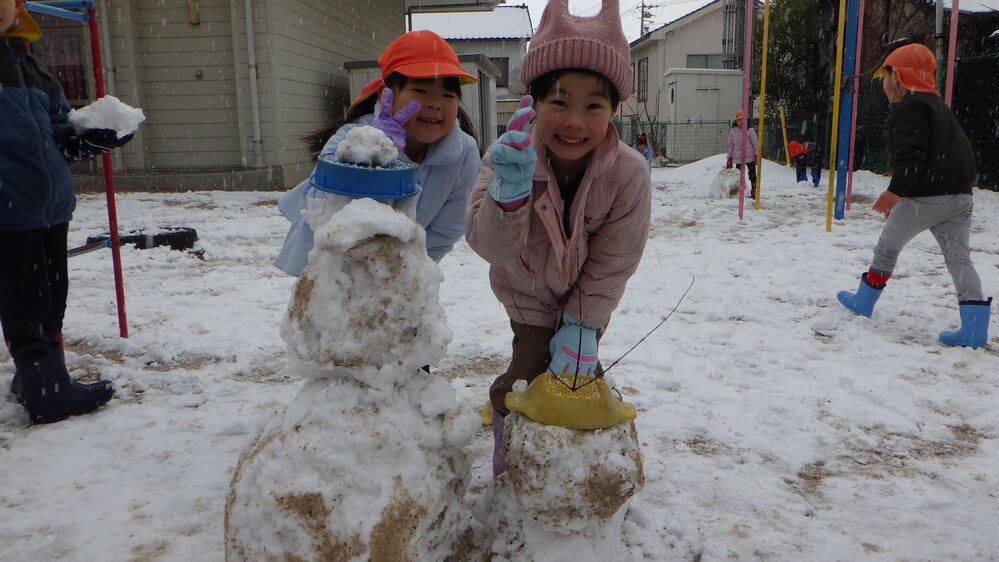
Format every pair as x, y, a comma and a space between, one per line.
47, 390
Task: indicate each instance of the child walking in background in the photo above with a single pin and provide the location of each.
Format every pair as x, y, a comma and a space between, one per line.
806, 155
933, 170
37, 143
643, 148
735, 153
561, 209
418, 98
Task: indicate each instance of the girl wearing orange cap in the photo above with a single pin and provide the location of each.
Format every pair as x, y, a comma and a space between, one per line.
933, 170
416, 102
561, 208
735, 153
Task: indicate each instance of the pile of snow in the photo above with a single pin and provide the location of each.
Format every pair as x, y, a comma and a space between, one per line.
565, 492
367, 461
107, 113
725, 183
367, 300
366, 145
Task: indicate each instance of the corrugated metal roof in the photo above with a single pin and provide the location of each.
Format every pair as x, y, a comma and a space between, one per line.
505, 22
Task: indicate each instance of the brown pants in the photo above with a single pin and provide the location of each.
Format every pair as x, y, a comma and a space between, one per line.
530, 359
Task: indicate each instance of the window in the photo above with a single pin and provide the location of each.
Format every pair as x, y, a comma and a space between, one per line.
62, 53
642, 90
705, 61
502, 65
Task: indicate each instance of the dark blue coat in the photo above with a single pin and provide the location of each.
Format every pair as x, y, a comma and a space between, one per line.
36, 185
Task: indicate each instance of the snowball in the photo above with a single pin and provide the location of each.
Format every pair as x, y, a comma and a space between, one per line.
366, 145
107, 113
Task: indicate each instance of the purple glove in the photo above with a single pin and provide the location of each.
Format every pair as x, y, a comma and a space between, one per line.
390, 124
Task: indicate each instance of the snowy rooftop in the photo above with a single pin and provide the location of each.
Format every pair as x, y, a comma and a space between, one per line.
505, 22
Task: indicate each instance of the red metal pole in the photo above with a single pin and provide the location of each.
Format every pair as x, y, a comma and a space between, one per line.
951, 52
119, 286
856, 93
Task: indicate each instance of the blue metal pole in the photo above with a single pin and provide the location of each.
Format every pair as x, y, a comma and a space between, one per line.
846, 108
62, 9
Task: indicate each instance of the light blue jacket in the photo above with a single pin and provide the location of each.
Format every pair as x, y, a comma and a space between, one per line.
446, 176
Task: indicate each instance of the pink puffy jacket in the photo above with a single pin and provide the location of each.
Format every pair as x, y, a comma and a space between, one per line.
534, 270
735, 143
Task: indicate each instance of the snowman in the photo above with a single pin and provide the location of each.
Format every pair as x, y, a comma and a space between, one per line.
574, 462
366, 462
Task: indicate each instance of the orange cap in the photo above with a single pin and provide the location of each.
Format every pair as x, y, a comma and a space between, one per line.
796, 148
914, 66
740, 114
24, 26
417, 54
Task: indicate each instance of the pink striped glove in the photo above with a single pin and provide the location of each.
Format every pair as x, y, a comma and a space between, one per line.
574, 348
513, 157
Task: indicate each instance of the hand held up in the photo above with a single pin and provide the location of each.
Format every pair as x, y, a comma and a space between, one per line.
574, 348
513, 157
392, 125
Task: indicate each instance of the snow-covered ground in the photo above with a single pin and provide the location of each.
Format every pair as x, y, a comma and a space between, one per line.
762, 439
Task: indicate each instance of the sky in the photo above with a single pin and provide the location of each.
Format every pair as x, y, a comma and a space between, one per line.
666, 11
773, 424
663, 12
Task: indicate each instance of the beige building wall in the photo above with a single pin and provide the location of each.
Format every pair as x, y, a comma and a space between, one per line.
188, 70
667, 47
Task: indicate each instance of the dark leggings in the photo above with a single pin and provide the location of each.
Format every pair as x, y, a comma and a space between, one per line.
750, 171
33, 285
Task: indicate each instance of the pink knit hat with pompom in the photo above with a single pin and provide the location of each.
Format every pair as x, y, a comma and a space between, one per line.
565, 41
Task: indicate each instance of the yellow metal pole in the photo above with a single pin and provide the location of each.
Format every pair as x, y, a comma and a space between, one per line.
835, 117
763, 103
783, 128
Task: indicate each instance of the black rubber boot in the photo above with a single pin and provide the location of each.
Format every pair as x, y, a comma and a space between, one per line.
46, 389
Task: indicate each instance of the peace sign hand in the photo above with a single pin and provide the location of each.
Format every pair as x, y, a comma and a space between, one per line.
392, 125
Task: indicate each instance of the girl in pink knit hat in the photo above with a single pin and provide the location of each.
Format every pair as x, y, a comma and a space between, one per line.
561, 207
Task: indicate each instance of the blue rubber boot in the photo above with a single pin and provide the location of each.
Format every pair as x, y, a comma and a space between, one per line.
862, 302
974, 332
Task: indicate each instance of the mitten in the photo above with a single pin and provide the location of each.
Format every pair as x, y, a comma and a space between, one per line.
728, 163
390, 124
94, 142
513, 157
574, 348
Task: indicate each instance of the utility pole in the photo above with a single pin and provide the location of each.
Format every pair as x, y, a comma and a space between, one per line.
646, 14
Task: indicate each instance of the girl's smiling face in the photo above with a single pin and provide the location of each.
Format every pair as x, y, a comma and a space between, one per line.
437, 115
572, 119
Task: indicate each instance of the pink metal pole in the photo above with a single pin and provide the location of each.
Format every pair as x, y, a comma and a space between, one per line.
119, 286
747, 59
951, 52
856, 94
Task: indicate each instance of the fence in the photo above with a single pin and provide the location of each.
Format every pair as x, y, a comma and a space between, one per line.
679, 142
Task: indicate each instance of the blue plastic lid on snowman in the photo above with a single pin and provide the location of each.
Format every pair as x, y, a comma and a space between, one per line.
395, 181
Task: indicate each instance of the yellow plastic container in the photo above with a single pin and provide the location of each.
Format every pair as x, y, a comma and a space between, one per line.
551, 400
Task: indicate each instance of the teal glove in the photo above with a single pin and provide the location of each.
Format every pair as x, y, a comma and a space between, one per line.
513, 157
574, 348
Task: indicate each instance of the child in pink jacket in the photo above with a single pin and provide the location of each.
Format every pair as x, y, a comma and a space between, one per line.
561, 209
735, 149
